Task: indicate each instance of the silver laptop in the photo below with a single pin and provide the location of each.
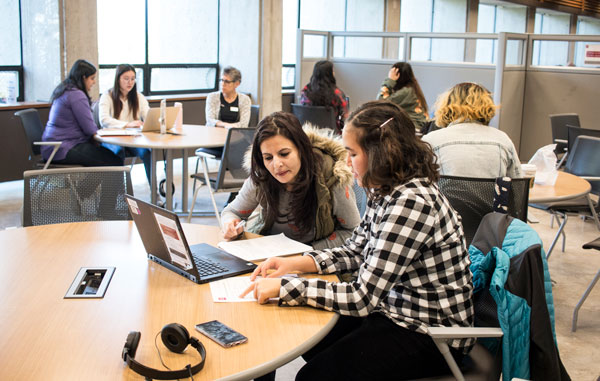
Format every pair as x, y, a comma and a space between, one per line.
165, 243
151, 122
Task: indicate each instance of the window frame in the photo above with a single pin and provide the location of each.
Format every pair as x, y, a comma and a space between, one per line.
18, 68
147, 67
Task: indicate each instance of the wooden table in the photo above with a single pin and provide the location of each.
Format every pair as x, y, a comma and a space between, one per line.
192, 136
46, 337
567, 187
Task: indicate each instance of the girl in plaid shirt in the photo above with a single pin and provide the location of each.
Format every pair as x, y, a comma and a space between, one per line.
408, 254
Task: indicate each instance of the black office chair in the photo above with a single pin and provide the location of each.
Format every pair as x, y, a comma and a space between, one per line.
231, 174
318, 116
583, 161
573, 132
559, 123
33, 130
61, 195
254, 112
595, 244
473, 198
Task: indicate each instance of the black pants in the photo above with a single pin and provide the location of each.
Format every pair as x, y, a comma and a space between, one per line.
373, 348
90, 154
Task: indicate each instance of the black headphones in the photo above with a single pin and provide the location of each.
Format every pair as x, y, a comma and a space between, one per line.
176, 338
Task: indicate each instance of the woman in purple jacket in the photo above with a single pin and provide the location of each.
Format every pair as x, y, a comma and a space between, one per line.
71, 122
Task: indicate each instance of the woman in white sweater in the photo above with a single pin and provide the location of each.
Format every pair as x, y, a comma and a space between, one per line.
124, 107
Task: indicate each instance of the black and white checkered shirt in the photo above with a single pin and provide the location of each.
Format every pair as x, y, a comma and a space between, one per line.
412, 264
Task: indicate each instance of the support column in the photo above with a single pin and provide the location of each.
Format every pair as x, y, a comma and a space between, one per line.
270, 76
392, 24
471, 27
530, 26
78, 35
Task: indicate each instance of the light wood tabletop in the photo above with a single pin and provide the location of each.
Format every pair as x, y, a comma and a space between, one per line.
186, 137
567, 187
46, 337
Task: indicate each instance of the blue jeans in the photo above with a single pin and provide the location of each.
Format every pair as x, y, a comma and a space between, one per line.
142, 153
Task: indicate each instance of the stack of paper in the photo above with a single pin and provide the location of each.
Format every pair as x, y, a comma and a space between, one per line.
264, 247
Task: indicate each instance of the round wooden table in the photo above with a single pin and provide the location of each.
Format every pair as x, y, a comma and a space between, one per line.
567, 187
189, 136
46, 337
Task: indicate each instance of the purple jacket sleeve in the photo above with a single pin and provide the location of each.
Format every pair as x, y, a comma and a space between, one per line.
83, 113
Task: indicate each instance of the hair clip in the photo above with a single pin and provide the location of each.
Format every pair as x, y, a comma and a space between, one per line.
386, 122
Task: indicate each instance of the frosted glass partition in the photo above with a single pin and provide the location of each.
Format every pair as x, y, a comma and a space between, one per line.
315, 46
504, 63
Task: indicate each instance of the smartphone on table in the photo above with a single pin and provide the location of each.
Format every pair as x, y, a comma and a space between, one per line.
221, 334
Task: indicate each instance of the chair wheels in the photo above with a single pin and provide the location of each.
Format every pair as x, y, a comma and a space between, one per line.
161, 188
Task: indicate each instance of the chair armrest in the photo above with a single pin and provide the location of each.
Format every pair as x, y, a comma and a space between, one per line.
590, 178
47, 143
463, 332
564, 141
205, 154
56, 146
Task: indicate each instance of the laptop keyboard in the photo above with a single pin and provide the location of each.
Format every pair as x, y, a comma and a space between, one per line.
206, 267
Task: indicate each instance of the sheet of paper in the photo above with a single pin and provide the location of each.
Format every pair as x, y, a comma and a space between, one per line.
229, 290
264, 247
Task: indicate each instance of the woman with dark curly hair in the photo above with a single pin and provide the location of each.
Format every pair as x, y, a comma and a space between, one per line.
301, 182
409, 255
323, 91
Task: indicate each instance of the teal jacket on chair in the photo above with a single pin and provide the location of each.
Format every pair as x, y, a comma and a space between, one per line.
508, 260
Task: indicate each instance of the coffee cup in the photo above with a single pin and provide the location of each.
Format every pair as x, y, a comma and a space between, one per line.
529, 171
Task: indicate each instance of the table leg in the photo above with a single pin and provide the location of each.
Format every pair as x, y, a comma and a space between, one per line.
169, 185
184, 183
153, 184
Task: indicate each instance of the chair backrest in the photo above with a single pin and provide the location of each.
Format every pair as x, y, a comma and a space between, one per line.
558, 123
33, 127
60, 195
573, 132
319, 116
473, 198
232, 162
584, 159
96, 113
254, 111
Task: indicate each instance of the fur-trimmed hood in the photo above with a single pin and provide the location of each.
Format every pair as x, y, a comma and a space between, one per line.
330, 145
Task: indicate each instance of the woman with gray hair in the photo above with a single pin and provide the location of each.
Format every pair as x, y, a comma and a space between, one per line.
228, 108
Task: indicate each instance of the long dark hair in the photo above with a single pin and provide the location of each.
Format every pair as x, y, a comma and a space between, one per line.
407, 78
395, 154
80, 70
115, 93
304, 197
322, 85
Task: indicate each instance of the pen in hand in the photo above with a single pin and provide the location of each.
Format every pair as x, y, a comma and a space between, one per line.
240, 224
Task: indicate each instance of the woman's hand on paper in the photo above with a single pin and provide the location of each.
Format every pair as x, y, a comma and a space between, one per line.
282, 266
229, 229
264, 289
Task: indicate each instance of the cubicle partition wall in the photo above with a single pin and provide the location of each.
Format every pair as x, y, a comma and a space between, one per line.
502, 63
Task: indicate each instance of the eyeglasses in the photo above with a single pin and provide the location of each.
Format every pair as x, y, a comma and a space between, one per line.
127, 79
226, 81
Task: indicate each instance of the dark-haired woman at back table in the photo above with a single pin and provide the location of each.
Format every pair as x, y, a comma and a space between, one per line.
124, 107
323, 91
72, 123
401, 87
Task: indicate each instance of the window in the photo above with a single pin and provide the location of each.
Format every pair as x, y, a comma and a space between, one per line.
495, 19
171, 53
551, 53
434, 16
585, 25
11, 65
332, 15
